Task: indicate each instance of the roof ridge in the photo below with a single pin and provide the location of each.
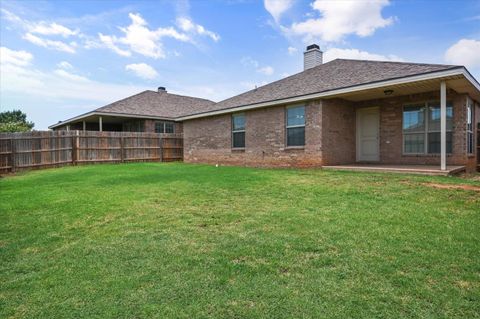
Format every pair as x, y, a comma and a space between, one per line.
192, 97
128, 97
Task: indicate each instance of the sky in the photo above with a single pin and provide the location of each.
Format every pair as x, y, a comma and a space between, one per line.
59, 59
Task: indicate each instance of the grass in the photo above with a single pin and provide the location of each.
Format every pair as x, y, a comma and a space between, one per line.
190, 241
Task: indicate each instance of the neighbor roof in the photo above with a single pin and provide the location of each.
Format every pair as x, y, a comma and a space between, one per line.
336, 74
164, 104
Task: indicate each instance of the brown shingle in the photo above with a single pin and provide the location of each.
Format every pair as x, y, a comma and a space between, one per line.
339, 73
150, 103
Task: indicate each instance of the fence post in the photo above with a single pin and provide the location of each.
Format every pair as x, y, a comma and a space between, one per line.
160, 139
13, 147
122, 156
75, 146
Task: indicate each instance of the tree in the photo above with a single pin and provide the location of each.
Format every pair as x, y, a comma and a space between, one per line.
15, 121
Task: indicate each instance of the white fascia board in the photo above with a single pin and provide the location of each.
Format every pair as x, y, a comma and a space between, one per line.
76, 118
404, 80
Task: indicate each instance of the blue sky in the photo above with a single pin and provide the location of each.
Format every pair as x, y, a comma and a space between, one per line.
62, 58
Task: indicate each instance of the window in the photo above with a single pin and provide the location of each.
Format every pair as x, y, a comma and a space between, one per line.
164, 127
238, 130
296, 126
470, 145
421, 128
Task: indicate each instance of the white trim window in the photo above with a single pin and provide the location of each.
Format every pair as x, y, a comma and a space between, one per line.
238, 131
421, 128
295, 125
470, 144
164, 127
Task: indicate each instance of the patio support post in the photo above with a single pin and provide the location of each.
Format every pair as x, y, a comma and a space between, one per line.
100, 124
84, 126
443, 126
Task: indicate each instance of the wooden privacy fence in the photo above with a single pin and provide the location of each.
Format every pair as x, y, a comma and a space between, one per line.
41, 149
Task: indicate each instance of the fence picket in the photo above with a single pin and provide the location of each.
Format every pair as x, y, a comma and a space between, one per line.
40, 149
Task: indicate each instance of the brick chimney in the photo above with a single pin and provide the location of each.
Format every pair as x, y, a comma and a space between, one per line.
312, 57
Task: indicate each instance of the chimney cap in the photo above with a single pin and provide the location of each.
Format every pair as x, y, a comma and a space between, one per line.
313, 46
161, 89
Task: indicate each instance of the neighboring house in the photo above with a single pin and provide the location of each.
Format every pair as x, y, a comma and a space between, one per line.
340, 112
147, 111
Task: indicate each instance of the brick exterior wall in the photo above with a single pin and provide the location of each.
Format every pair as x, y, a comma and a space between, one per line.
208, 140
338, 132
330, 135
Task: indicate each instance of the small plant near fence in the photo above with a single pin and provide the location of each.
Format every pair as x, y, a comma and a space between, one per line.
40, 149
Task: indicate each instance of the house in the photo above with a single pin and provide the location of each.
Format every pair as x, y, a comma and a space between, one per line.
147, 111
343, 112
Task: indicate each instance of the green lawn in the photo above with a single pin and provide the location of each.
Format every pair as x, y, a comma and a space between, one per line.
190, 241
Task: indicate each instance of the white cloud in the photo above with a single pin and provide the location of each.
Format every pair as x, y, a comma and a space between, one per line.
53, 28
18, 58
266, 70
58, 84
109, 42
341, 18
142, 70
65, 65
337, 53
249, 62
70, 76
43, 28
50, 44
465, 52
292, 50
140, 39
187, 25
277, 7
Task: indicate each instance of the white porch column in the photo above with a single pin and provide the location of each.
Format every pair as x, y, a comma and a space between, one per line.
443, 126
100, 124
84, 126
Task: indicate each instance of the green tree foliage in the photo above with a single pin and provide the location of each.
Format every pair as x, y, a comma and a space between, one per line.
15, 121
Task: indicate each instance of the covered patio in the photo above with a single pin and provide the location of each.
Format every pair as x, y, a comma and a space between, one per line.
417, 127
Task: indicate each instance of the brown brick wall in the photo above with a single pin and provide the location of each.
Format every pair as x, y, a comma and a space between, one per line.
329, 135
338, 131
208, 140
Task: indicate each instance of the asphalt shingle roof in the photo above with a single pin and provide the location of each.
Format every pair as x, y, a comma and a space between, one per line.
151, 103
336, 74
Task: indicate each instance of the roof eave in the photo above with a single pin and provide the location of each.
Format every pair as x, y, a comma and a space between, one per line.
460, 70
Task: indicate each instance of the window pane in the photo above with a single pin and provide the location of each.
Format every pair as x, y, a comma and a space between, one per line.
414, 118
239, 139
238, 122
469, 118
169, 128
434, 143
470, 143
414, 143
434, 116
296, 136
296, 116
159, 127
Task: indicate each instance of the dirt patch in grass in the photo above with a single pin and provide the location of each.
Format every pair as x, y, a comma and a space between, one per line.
453, 186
